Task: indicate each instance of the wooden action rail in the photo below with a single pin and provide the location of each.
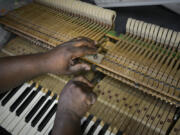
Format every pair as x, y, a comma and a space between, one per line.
52, 26
149, 64
127, 67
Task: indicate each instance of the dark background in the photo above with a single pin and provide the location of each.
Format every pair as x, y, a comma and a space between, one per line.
158, 15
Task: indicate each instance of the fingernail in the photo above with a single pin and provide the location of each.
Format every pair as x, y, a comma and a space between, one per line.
87, 68
93, 99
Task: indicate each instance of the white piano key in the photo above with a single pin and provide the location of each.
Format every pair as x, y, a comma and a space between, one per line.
83, 119
107, 132
5, 109
23, 127
33, 130
98, 129
16, 120
91, 123
9, 116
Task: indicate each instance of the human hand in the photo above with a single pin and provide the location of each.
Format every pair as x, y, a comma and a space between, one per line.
60, 59
77, 97
75, 100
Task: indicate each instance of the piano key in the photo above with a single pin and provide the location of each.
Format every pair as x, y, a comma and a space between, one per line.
4, 109
9, 116
10, 95
23, 126
17, 119
108, 132
85, 124
27, 101
21, 97
104, 129
49, 126
2, 95
36, 107
98, 129
3, 131
114, 132
33, 130
50, 132
43, 110
119, 132
83, 120
94, 127
47, 118
91, 123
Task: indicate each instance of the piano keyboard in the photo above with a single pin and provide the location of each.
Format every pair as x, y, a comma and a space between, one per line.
30, 109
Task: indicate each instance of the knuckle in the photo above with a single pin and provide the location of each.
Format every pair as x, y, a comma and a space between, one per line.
79, 78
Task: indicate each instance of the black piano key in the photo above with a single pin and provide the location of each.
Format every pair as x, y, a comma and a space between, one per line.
27, 101
3, 131
10, 95
47, 118
85, 124
36, 107
104, 129
50, 132
3, 94
119, 132
42, 111
93, 128
21, 97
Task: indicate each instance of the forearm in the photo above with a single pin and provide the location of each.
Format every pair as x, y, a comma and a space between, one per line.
18, 69
66, 124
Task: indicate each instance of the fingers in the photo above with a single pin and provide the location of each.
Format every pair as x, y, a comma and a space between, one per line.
89, 94
83, 79
84, 41
85, 85
79, 67
82, 51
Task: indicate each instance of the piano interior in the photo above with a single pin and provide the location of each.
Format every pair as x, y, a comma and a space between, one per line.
136, 74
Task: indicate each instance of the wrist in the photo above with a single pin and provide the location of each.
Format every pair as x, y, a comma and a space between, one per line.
44, 61
63, 111
66, 123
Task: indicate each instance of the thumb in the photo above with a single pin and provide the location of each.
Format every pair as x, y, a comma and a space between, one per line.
79, 67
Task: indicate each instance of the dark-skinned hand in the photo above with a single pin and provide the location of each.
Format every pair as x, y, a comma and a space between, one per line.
77, 96
60, 59
75, 100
